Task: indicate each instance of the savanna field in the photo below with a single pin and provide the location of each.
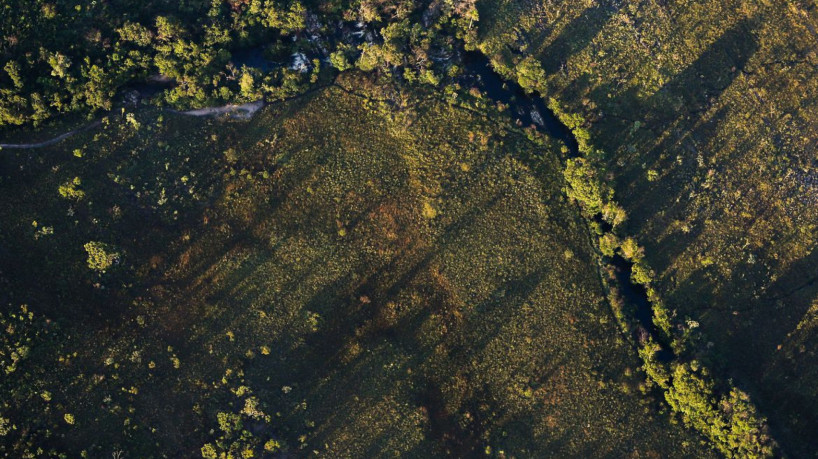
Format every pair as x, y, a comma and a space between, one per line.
460, 228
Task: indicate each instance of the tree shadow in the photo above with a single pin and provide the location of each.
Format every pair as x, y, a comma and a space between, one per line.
753, 328
576, 35
691, 90
674, 123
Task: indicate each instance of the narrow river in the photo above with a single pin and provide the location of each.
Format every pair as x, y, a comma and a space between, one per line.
531, 110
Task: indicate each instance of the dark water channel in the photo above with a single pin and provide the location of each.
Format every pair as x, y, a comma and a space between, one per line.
636, 298
531, 111
253, 57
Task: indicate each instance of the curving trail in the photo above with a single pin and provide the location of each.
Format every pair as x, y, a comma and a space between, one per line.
50, 141
243, 111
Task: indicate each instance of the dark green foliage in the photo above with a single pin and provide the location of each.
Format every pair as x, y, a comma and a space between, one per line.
585, 186
20, 329
730, 421
192, 45
530, 75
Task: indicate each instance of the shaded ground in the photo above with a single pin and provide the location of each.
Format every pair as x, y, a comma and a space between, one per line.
384, 281
707, 113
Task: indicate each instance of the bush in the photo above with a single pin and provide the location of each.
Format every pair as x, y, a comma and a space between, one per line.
631, 250
530, 75
655, 369
71, 189
100, 256
608, 243
614, 214
209, 452
641, 274
339, 60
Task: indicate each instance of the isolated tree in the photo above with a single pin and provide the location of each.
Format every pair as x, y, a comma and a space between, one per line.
101, 256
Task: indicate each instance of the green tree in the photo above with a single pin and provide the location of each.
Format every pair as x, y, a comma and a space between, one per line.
530, 75
641, 273
72, 190
339, 60
731, 422
584, 185
631, 249
14, 72
101, 256
136, 33
608, 243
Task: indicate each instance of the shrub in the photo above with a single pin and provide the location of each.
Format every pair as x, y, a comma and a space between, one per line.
530, 75
71, 189
100, 256
655, 369
209, 452
339, 60
272, 446
608, 244
614, 214
641, 274
5, 426
229, 422
631, 250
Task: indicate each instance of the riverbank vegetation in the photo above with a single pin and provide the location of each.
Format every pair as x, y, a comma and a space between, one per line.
723, 414
702, 111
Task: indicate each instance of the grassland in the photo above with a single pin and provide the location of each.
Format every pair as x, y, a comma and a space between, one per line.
706, 114
339, 275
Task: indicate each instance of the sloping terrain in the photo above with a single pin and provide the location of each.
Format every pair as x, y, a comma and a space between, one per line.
706, 113
339, 275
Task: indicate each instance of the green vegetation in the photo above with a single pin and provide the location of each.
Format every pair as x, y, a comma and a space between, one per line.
100, 256
50, 68
702, 110
334, 275
197, 48
736, 429
378, 257
731, 422
72, 190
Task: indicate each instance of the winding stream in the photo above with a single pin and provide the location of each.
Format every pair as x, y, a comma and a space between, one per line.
531, 111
